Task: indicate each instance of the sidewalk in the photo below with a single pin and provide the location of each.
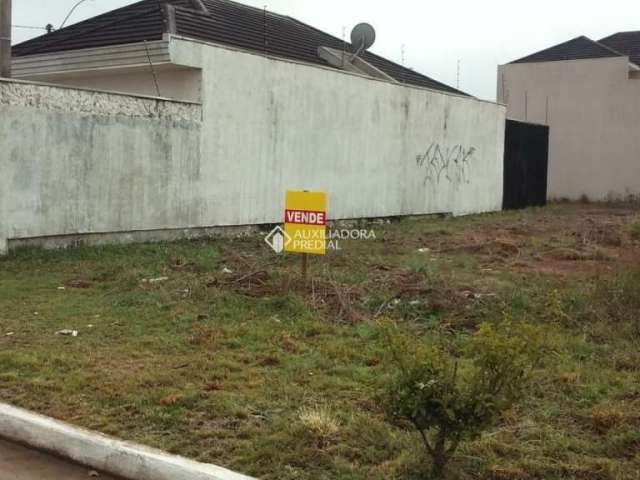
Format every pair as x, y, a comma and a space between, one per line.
20, 463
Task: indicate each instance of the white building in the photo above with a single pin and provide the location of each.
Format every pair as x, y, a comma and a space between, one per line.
589, 94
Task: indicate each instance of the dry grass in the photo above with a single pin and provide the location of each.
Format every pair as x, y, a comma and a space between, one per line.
320, 422
215, 365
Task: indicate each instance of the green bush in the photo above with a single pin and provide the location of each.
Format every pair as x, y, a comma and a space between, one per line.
450, 399
635, 231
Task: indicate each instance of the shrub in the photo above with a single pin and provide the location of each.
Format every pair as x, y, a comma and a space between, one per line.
635, 231
449, 400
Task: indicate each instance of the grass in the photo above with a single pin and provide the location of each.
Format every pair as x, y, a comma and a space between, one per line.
258, 372
635, 230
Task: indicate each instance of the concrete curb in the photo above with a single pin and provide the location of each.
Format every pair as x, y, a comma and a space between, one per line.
95, 450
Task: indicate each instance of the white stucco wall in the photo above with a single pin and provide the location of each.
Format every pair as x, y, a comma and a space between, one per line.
123, 164
377, 148
83, 162
593, 110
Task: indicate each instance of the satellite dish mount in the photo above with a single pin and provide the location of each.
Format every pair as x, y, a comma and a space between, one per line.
363, 36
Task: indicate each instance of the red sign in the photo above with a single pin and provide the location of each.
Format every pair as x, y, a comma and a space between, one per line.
305, 217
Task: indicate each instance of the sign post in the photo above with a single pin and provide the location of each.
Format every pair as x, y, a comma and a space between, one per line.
305, 258
305, 224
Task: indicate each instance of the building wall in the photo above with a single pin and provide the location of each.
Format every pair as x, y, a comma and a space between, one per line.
131, 68
182, 84
593, 110
87, 162
377, 148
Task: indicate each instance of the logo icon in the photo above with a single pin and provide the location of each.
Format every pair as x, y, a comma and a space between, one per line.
278, 239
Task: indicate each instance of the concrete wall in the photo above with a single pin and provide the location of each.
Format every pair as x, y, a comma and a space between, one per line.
378, 149
80, 162
85, 162
593, 109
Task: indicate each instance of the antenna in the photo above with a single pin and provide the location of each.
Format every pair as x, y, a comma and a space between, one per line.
344, 45
264, 29
403, 49
28, 27
363, 36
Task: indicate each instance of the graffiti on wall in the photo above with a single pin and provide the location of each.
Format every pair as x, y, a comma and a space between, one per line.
446, 163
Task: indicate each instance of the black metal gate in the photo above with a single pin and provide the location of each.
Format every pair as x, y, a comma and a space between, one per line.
526, 165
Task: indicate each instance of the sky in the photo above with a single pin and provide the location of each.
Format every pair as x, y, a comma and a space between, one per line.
479, 35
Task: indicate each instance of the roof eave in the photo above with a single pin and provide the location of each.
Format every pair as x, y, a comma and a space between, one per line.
91, 59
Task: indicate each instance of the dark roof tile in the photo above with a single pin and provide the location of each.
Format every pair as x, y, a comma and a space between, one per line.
625, 42
226, 22
133, 23
577, 49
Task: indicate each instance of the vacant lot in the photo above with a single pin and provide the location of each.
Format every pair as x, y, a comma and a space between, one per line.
231, 359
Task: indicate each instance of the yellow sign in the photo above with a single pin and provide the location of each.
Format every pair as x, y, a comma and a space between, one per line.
305, 222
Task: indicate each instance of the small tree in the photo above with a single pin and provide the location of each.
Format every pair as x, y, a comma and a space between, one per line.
449, 400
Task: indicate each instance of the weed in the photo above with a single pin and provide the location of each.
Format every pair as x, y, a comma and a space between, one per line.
320, 423
620, 297
604, 418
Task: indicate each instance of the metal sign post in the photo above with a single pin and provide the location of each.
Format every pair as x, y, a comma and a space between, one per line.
305, 257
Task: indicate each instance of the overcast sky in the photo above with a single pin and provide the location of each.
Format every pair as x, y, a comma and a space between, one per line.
481, 34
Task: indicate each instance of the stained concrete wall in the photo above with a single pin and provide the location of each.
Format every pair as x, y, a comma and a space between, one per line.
84, 162
593, 110
377, 148
80, 162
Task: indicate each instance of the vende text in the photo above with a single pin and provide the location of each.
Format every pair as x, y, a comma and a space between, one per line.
304, 217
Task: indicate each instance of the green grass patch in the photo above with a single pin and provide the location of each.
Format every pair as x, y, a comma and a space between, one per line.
256, 371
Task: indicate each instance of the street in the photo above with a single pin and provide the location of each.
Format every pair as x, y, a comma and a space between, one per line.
20, 463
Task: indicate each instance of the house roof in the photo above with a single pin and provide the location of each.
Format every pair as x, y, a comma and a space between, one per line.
220, 21
625, 42
576, 49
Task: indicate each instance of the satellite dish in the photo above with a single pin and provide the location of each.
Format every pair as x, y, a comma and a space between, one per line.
363, 36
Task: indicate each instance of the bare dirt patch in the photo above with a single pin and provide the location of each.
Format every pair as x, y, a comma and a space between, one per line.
572, 239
